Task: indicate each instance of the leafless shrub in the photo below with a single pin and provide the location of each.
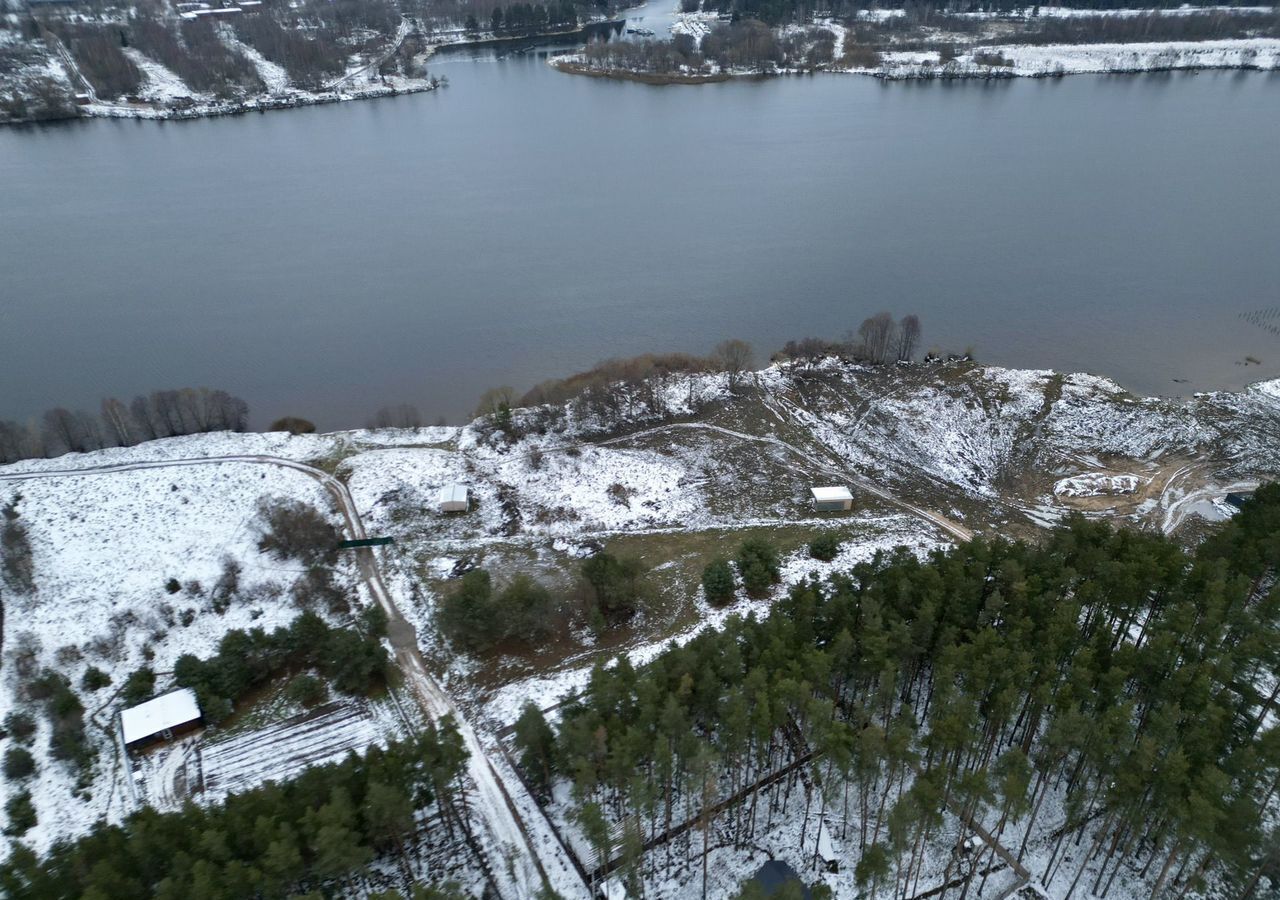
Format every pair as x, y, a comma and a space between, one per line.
17, 568
619, 493
103, 646
992, 59
227, 585
68, 655
291, 529
550, 515
24, 655
861, 56
399, 416
732, 357
316, 589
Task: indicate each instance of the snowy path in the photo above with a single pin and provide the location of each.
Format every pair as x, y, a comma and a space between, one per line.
402, 32
73, 70
273, 76
953, 528
283, 750
527, 854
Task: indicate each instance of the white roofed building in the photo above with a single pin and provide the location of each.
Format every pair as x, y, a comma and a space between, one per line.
453, 498
831, 499
160, 718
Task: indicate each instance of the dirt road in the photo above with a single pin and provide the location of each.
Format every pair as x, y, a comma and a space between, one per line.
524, 854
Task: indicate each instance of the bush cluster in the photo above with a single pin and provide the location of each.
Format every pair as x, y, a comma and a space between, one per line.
824, 547
94, 679
354, 661
276, 840
139, 687
616, 588
292, 529
476, 617
20, 726
18, 763
718, 582
758, 566
21, 813
67, 740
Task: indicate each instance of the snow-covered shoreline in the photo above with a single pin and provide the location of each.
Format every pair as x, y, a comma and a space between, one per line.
957, 52
1016, 61
1052, 60
254, 104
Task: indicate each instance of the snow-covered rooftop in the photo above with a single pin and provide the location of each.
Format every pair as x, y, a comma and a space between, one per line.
452, 493
166, 711
830, 494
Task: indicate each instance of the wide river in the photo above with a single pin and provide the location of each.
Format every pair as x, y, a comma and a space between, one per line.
524, 224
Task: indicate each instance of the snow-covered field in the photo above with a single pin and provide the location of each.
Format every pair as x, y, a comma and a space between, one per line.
921, 446
975, 60
161, 85
1084, 59
1097, 484
282, 750
104, 548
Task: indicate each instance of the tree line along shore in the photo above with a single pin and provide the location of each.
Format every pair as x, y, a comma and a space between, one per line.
182, 411
714, 40
159, 59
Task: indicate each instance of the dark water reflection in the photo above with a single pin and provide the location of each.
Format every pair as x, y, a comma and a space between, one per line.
523, 224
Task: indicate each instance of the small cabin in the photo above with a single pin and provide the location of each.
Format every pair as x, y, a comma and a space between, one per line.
454, 498
831, 499
827, 850
1238, 499
160, 719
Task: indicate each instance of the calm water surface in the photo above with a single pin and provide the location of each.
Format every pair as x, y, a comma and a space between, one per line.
524, 224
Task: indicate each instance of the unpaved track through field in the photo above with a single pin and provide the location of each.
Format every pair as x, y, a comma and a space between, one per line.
524, 855
833, 466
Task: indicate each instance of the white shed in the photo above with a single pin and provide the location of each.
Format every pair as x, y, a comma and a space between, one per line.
827, 850
831, 499
160, 718
453, 498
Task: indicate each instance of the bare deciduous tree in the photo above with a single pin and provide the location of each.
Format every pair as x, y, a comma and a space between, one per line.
89, 432
144, 419
59, 432
877, 336
167, 413
495, 400
291, 529
733, 357
908, 336
15, 442
400, 416
227, 413
117, 423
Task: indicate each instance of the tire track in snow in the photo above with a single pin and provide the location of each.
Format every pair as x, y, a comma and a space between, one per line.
954, 529
515, 842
